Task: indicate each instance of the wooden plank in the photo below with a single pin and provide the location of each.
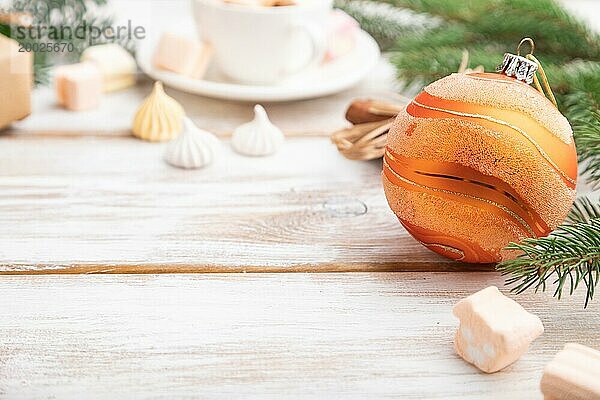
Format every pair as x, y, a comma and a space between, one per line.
112, 205
261, 336
114, 116
126, 133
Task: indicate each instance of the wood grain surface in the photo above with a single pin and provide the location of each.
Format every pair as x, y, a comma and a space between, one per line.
77, 195
112, 205
267, 336
116, 111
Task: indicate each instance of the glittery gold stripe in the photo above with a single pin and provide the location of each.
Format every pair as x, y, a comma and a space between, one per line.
482, 78
542, 228
499, 121
500, 206
447, 248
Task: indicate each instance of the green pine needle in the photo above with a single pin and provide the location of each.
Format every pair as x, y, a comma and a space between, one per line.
567, 258
507, 21
583, 211
588, 147
385, 22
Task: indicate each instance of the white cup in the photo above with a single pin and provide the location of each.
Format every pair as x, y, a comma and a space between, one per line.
263, 45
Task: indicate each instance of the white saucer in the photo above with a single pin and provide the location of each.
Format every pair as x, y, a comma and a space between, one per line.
328, 78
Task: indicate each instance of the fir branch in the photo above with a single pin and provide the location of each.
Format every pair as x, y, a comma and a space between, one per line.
448, 10
430, 63
385, 22
576, 77
567, 258
507, 21
583, 211
588, 147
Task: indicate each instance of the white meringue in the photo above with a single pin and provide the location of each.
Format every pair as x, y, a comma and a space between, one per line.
258, 137
193, 148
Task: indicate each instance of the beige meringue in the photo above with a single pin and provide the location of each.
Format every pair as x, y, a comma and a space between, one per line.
193, 148
159, 117
258, 137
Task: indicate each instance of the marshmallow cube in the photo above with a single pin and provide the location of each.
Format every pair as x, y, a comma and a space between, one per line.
494, 330
342, 33
117, 66
573, 374
78, 86
182, 55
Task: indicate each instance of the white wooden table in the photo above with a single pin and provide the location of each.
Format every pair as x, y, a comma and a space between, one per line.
222, 336
100, 230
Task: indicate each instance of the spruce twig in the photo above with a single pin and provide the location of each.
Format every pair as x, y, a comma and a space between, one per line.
588, 147
567, 258
583, 211
385, 22
507, 21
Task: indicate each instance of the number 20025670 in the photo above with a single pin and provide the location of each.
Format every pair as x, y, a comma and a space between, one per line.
49, 47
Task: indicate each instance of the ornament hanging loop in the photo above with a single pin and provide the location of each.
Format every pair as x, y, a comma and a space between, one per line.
523, 41
526, 68
546, 90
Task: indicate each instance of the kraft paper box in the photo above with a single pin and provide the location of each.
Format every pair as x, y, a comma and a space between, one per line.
16, 80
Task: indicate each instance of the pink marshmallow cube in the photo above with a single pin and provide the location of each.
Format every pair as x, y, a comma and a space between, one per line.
573, 374
182, 55
342, 35
494, 330
78, 86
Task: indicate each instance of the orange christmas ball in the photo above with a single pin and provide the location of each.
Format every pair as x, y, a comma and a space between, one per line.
477, 161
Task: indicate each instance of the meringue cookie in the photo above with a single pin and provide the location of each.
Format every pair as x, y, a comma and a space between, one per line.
258, 137
193, 148
159, 117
